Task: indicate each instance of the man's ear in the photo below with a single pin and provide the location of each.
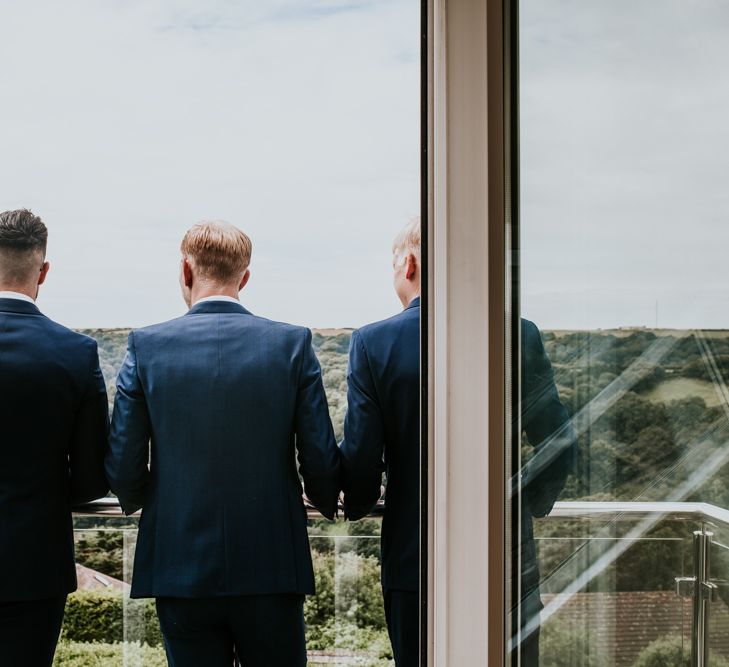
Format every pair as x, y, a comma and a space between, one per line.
244, 281
187, 273
44, 272
412, 267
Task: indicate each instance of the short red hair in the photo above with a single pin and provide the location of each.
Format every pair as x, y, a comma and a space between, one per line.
220, 251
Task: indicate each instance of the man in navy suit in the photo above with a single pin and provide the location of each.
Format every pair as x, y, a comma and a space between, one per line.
210, 412
382, 434
54, 415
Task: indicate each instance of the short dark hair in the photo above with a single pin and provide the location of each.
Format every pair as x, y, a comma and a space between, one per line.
21, 231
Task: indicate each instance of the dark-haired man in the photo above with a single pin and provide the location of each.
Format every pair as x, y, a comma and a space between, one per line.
54, 417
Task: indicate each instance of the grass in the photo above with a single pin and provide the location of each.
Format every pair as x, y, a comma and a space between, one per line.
677, 388
129, 654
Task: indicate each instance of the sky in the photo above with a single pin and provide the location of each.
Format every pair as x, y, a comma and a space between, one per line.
125, 122
625, 163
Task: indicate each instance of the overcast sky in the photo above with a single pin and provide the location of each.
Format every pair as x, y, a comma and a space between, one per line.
125, 122
625, 162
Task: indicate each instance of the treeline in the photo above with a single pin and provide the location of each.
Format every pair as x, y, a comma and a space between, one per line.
660, 431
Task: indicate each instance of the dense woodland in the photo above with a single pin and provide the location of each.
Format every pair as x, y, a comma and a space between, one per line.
667, 417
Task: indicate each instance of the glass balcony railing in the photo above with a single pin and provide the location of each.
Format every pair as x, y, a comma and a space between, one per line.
104, 626
623, 584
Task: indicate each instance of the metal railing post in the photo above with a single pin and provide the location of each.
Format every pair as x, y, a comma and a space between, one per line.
703, 594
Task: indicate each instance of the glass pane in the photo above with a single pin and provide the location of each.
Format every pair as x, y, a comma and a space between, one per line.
345, 620
614, 617
624, 413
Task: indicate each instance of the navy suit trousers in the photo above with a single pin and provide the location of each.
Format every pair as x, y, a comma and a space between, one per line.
29, 631
260, 630
402, 611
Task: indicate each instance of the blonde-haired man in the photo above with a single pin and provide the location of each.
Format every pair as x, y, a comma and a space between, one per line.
382, 434
225, 398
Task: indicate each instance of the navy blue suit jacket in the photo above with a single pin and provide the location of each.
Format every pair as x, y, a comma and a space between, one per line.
548, 429
225, 399
54, 416
382, 433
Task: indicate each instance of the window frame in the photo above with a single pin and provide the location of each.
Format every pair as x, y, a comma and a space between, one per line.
470, 300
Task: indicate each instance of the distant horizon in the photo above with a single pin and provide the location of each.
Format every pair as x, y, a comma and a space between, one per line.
336, 331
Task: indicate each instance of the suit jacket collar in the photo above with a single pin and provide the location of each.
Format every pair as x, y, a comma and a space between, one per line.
207, 307
18, 306
415, 303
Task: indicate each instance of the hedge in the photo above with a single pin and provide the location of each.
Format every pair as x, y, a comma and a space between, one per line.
99, 617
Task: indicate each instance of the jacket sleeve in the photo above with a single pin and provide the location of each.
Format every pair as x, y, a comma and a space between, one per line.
127, 463
317, 449
548, 428
364, 438
89, 441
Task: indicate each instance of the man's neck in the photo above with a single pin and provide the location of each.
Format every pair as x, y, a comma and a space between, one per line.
213, 291
409, 298
19, 290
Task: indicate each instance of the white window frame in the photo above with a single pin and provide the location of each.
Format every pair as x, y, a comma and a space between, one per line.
467, 318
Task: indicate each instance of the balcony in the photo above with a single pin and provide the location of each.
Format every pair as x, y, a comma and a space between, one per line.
600, 607
345, 620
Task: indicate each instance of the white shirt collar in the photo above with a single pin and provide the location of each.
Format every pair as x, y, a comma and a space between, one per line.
16, 295
217, 297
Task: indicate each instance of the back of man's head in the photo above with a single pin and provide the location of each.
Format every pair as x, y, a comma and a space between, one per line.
23, 241
218, 251
408, 240
406, 262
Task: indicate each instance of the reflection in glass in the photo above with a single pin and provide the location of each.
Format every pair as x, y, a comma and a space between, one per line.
623, 234
548, 431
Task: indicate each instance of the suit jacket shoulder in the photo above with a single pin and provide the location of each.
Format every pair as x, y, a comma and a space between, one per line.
387, 327
71, 337
383, 326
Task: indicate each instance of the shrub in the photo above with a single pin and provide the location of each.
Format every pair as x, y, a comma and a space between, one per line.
102, 551
99, 617
93, 617
671, 652
348, 588
565, 644
343, 634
